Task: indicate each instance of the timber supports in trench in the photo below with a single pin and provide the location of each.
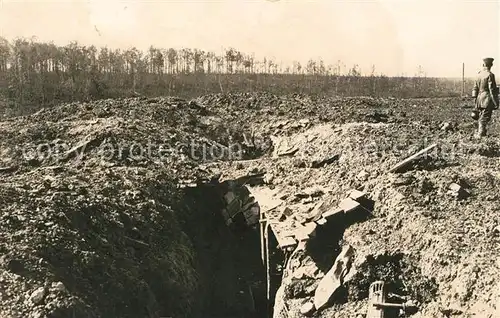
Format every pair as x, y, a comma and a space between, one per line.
277, 243
246, 221
273, 259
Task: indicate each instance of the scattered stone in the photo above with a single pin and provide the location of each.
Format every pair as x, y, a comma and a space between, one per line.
268, 179
290, 151
321, 221
307, 309
446, 126
455, 187
58, 286
304, 121
37, 296
451, 311
363, 176
458, 191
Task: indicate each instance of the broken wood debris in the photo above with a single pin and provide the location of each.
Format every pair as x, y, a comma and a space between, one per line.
348, 205
285, 212
136, 243
8, 169
333, 214
288, 152
334, 278
317, 211
411, 159
377, 302
324, 162
80, 147
321, 214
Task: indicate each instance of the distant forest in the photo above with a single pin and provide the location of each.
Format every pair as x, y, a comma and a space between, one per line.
35, 74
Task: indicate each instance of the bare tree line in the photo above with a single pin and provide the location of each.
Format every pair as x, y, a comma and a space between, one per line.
33, 72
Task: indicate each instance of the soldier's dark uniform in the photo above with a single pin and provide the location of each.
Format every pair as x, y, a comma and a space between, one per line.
486, 93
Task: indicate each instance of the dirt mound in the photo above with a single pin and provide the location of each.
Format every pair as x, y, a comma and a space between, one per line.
96, 232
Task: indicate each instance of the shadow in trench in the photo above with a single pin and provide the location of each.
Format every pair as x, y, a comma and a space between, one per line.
228, 257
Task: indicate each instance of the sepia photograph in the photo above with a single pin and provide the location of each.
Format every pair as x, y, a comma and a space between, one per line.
249, 159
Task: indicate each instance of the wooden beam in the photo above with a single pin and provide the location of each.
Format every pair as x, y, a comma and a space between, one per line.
263, 228
412, 158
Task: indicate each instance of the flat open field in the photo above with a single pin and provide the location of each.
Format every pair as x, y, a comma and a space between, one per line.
93, 223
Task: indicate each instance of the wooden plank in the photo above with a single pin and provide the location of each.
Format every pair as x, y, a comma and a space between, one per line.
263, 224
357, 195
303, 233
349, 205
268, 266
332, 214
286, 242
410, 159
8, 169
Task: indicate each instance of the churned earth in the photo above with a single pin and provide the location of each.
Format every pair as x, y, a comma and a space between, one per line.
93, 223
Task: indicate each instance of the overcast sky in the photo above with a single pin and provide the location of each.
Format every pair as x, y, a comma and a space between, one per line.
395, 36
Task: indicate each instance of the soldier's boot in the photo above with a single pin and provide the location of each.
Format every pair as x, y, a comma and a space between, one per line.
481, 130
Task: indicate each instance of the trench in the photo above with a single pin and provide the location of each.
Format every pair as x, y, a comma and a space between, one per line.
243, 270
223, 225
239, 258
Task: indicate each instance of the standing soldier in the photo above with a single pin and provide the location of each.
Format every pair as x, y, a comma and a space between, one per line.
485, 92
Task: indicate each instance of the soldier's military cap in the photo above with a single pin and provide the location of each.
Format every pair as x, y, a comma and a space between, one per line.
488, 60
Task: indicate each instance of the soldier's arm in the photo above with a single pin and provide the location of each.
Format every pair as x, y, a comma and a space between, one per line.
492, 87
475, 89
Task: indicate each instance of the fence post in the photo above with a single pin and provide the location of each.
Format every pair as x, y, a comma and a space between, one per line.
463, 79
